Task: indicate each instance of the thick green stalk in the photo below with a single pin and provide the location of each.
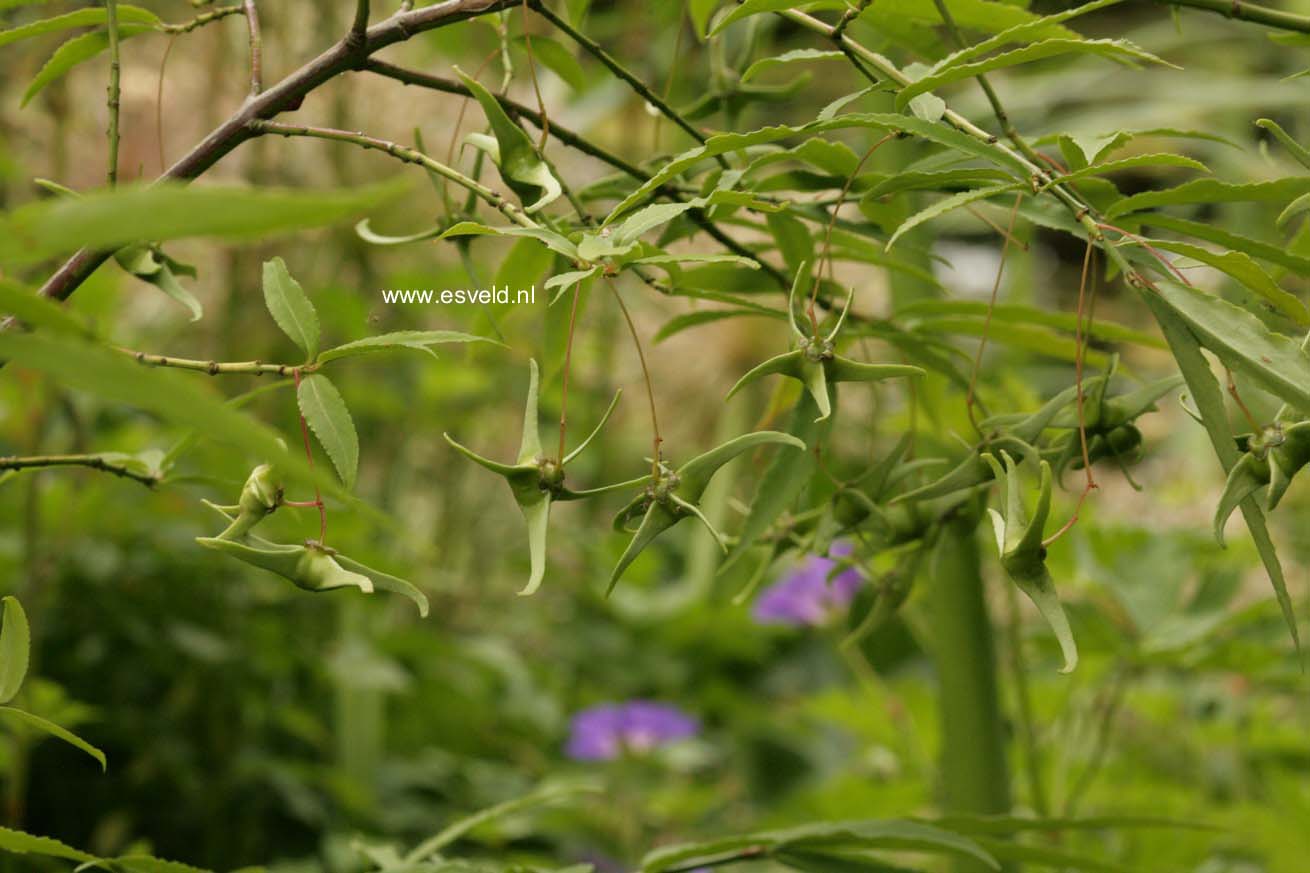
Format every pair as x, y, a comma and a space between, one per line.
974, 775
1249, 12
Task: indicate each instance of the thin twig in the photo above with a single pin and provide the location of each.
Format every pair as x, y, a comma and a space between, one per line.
1244, 11
94, 462
568, 365
402, 153
217, 368
643, 90
256, 48
656, 439
359, 26
111, 27
970, 397
536, 86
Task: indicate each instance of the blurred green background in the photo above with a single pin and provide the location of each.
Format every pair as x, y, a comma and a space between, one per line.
249, 723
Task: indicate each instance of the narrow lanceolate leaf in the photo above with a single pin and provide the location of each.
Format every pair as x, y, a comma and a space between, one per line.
48, 727
759, 7
418, 340
1297, 150
15, 642
1162, 159
1273, 361
953, 70
75, 51
932, 131
1246, 271
1209, 399
327, 416
1024, 32
132, 213
833, 836
788, 58
290, 308
21, 843
945, 205
77, 18
1213, 191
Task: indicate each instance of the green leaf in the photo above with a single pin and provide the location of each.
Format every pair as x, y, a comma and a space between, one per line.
948, 204
418, 340
700, 12
330, 420
787, 58
513, 152
37, 311
1274, 361
153, 267
1022, 32
15, 643
1247, 272
555, 57
1210, 233
953, 70
1295, 208
103, 220
1209, 398
932, 131
457, 829
553, 241
75, 51
787, 474
21, 843
54, 730
1013, 313
758, 7
1298, 151
387, 582
290, 308
891, 834
1161, 159
78, 18
1211, 191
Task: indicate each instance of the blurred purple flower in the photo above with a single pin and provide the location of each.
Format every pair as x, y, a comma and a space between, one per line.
806, 596
601, 733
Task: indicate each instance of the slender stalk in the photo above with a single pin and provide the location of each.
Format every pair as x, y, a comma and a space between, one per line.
360, 25
256, 48
218, 368
94, 462
974, 776
309, 456
656, 439
208, 17
536, 86
111, 27
1243, 11
568, 365
401, 153
593, 48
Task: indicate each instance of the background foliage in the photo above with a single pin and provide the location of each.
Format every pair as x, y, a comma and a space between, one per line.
246, 722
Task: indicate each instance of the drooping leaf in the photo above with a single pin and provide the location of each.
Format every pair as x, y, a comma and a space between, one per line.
21, 843
758, 7
131, 213
953, 70
1212, 191
15, 644
327, 416
513, 152
78, 18
46, 726
786, 59
554, 56
1298, 151
948, 204
76, 51
1247, 272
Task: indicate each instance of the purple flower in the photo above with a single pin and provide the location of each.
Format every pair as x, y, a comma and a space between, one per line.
806, 595
601, 733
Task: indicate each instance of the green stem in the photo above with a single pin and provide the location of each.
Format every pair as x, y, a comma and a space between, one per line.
212, 15
94, 462
219, 368
974, 777
111, 27
408, 155
1248, 12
